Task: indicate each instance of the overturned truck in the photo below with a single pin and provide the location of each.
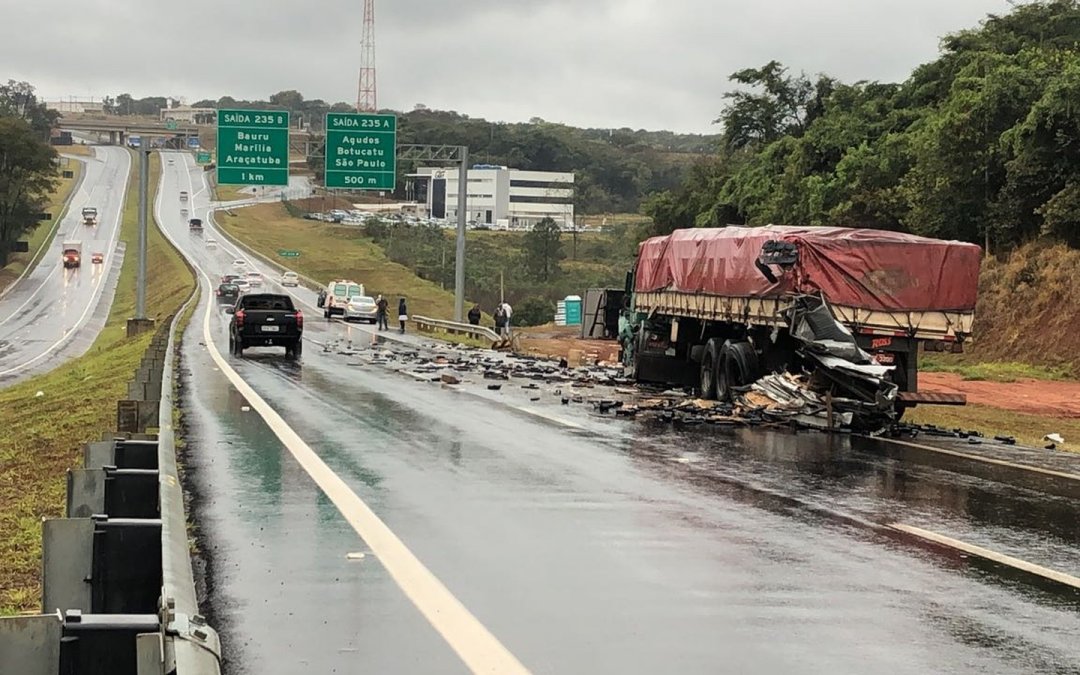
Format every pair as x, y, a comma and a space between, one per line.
842, 312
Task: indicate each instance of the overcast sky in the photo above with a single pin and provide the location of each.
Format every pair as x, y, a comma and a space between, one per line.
657, 64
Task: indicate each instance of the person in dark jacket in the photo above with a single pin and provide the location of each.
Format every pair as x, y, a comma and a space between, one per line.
402, 314
474, 315
381, 309
500, 320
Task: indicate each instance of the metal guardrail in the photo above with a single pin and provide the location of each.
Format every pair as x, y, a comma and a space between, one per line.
430, 325
116, 572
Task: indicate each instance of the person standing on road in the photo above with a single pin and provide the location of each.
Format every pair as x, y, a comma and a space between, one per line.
402, 314
381, 307
508, 313
500, 319
474, 315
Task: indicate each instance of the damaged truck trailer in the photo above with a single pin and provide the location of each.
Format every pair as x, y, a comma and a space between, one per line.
848, 310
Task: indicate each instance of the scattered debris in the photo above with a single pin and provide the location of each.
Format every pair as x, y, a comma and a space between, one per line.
447, 378
1054, 438
494, 387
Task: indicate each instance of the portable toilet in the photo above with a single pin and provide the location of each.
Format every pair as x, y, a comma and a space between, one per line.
573, 310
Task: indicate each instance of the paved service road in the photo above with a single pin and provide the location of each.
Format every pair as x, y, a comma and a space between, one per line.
53, 313
583, 544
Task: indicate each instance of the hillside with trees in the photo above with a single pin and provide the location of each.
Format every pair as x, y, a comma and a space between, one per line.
27, 169
982, 144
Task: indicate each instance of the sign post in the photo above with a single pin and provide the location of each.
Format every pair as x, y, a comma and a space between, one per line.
361, 151
253, 147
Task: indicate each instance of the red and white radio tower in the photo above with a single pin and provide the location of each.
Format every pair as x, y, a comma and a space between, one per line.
367, 99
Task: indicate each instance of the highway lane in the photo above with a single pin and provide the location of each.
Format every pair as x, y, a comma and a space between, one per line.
54, 314
584, 546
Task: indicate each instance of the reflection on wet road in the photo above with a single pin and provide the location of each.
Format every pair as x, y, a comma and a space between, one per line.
612, 547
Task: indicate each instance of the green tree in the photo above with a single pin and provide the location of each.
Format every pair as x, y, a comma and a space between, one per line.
17, 99
534, 311
27, 175
542, 248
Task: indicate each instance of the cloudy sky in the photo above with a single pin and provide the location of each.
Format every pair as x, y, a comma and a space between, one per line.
657, 64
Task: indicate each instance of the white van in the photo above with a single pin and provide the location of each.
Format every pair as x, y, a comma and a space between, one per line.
338, 293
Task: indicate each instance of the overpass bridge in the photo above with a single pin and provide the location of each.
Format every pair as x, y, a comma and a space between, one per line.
120, 128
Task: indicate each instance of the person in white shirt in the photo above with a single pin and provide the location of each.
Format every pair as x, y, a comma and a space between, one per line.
508, 312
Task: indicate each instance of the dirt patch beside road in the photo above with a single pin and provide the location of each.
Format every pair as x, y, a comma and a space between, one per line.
1057, 398
558, 341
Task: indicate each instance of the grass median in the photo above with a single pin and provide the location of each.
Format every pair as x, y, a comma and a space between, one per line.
43, 233
77, 403
1026, 429
330, 251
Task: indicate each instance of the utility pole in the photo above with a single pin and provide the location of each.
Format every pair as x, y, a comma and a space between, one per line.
459, 260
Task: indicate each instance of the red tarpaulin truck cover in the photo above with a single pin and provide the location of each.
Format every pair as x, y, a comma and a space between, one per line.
873, 269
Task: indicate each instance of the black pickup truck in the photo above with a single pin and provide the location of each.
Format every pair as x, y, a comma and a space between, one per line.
266, 320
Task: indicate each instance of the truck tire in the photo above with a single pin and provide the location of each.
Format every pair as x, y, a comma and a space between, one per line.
294, 350
738, 367
710, 361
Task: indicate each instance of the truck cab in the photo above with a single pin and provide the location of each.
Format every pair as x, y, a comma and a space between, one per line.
72, 254
89, 215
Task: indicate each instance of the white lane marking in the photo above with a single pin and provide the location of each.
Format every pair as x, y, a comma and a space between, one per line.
987, 554
474, 644
95, 295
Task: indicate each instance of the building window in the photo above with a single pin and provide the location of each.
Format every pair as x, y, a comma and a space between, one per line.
543, 184
528, 199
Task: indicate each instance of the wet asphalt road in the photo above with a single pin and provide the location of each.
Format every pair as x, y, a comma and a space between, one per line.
587, 544
53, 313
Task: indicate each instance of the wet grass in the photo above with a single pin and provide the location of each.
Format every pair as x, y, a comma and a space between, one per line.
992, 371
334, 252
43, 233
77, 404
1026, 429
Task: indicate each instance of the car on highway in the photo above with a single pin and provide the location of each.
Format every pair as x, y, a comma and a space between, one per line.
229, 278
228, 293
183, 195
360, 308
97, 258
195, 225
290, 279
243, 285
183, 214
239, 262
171, 161
211, 243
266, 320
255, 279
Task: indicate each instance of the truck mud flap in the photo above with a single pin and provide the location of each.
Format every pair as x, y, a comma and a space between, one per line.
911, 398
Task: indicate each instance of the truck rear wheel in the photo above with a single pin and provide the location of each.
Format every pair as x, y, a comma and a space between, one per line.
709, 362
738, 367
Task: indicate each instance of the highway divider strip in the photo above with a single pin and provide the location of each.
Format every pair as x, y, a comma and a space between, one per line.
986, 554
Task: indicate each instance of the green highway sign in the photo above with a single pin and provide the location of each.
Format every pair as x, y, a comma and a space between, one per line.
170, 124
288, 254
361, 151
202, 157
253, 147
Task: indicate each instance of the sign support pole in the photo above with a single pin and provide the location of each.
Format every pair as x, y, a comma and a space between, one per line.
462, 214
144, 189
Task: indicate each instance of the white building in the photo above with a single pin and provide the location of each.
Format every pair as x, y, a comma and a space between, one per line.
498, 196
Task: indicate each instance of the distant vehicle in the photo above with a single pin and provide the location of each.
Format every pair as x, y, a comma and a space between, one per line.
254, 278
266, 320
97, 258
183, 213
134, 142
338, 294
240, 262
360, 308
229, 278
89, 215
243, 285
195, 225
170, 161
228, 293
211, 243
290, 279
72, 254
183, 195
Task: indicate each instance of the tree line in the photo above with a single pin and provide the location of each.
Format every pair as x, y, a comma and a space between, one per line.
28, 171
614, 168
981, 144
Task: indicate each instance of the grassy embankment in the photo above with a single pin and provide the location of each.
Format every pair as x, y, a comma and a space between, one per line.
42, 435
1027, 326
334, 252
42, 234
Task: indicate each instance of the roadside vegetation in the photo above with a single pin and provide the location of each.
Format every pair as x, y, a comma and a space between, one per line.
43, 434
1026, 429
